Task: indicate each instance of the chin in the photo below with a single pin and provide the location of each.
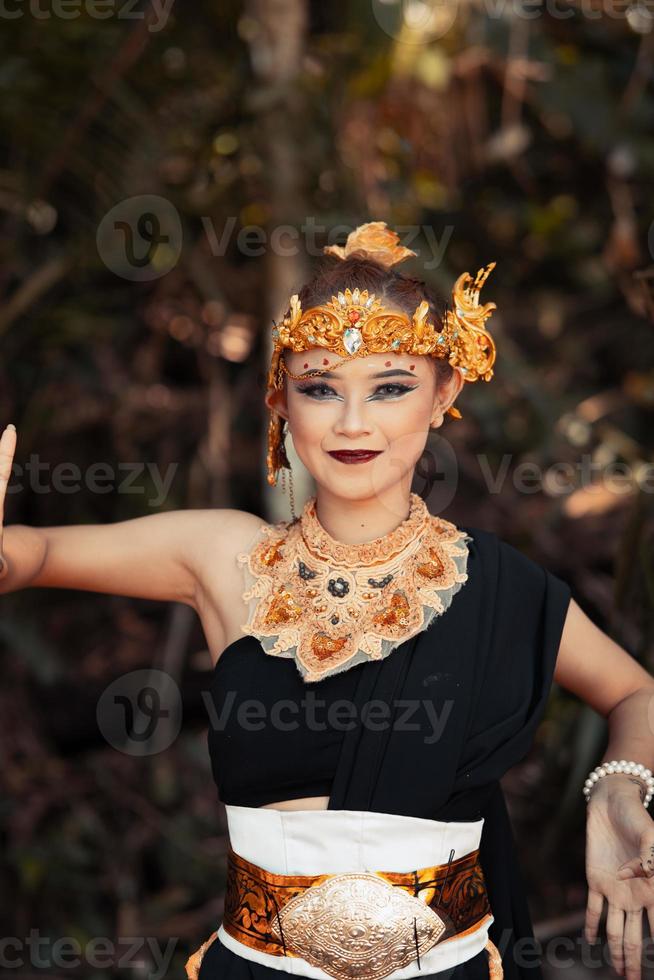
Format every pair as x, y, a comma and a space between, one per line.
345, 484
346, 487
363, 486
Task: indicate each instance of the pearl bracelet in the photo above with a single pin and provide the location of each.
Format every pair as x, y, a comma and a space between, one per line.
634, 768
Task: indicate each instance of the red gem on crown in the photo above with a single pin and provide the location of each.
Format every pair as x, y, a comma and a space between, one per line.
353, 315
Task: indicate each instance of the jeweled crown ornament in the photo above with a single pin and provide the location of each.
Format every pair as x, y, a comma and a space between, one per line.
355, 323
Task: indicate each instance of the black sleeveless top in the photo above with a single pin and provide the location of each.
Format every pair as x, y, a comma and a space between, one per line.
272, 736
464, 698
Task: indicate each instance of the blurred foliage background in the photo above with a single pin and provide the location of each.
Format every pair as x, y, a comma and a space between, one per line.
169, 176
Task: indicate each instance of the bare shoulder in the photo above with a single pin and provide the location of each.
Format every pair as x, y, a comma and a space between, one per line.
219, 536
234, 526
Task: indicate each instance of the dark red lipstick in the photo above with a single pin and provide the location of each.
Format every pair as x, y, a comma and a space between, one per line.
355, 455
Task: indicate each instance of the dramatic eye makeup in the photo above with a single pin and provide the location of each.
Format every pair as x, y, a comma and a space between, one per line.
321, 391
318, 389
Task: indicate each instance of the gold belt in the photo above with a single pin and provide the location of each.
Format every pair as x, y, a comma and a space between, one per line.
362, 925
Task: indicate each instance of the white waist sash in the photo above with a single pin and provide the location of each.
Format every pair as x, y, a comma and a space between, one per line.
309, 842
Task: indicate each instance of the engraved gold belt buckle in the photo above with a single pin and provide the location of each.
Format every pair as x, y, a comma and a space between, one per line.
357, 925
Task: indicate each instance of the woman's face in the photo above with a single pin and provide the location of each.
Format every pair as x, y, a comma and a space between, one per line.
381, 402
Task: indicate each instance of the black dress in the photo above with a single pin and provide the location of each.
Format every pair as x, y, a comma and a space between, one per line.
465, 697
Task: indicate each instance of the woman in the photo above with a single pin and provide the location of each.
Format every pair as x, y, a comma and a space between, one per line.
376, 845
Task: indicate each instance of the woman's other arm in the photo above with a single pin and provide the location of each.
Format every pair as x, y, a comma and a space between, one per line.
603, 674
619, 830
594, 667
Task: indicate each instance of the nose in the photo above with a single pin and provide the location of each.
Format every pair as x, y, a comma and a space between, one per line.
353, 421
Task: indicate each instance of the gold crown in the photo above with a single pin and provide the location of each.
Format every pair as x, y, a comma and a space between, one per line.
355, 323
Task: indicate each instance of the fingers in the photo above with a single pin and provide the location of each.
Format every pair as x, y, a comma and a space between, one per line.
615, 935
632, 945
647, 860
650, 918
7, 450
630, 869
639, 867
593, 915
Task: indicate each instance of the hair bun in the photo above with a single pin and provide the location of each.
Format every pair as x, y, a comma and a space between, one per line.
375, 241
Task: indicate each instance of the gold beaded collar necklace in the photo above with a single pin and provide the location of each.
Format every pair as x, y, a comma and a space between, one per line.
331, 605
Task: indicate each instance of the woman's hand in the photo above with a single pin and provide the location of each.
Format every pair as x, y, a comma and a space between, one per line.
7, 450
620, 867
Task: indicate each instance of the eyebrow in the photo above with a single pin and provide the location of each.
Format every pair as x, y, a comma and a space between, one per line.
382, 374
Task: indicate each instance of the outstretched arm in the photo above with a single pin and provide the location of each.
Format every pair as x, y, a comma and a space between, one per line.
164, 556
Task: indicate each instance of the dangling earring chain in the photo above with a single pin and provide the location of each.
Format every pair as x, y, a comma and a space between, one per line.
290, 483
290, 488
291, 494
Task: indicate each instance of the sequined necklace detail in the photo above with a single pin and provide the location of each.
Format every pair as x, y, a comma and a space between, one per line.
332, 605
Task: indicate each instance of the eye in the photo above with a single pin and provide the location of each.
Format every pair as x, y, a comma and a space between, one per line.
315, 390
393, 390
